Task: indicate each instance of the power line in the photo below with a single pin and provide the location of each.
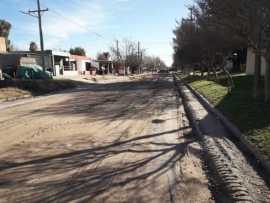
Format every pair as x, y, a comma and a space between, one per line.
70, 20
76, 23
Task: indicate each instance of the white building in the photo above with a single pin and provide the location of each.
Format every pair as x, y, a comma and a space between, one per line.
251, 62
84, 65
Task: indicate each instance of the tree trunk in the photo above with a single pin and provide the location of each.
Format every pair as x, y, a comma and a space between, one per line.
267, 82
215, 72
257, 74
258, 61
210, 69
202, 72
229, 79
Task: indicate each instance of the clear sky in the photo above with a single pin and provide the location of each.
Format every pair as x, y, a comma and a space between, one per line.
72, 23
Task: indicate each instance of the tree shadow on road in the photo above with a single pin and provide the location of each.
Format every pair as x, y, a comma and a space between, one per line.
132, 165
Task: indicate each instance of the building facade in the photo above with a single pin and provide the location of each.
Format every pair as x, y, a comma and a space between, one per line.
84, 65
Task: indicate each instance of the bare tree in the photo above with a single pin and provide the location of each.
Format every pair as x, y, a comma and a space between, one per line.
127, 54
153, 63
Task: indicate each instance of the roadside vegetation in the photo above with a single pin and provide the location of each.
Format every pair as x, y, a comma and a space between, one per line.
217, 35
250, 115
212, 42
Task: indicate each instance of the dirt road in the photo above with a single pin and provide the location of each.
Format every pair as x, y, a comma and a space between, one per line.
121, 142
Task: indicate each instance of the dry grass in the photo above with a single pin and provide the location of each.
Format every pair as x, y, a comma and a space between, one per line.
11, 92
19, 88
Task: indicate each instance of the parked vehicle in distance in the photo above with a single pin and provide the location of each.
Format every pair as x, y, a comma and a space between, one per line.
163, 71
32, 72
6, 76
27, 71
10, 71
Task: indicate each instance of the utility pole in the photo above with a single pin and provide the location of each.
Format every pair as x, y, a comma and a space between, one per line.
126, 64
117, 50
39, 12
139, 61
191, 13
117, 55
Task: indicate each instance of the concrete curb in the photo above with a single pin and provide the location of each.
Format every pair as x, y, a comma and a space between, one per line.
226, 174
248, 146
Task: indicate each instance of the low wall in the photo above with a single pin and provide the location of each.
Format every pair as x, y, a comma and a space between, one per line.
70, 73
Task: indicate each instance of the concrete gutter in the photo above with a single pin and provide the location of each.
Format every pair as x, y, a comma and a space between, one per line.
223, 171
234, 131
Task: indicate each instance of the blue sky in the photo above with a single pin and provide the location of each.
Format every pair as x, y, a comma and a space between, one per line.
72, 23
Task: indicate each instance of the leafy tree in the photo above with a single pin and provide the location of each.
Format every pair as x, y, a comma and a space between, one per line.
217, 27
4, 28
105, 56
33, 46
200, 41
246, 19
187, 44
77, 51
103, 61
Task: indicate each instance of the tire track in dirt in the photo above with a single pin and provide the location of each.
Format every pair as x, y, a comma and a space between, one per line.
124, 156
